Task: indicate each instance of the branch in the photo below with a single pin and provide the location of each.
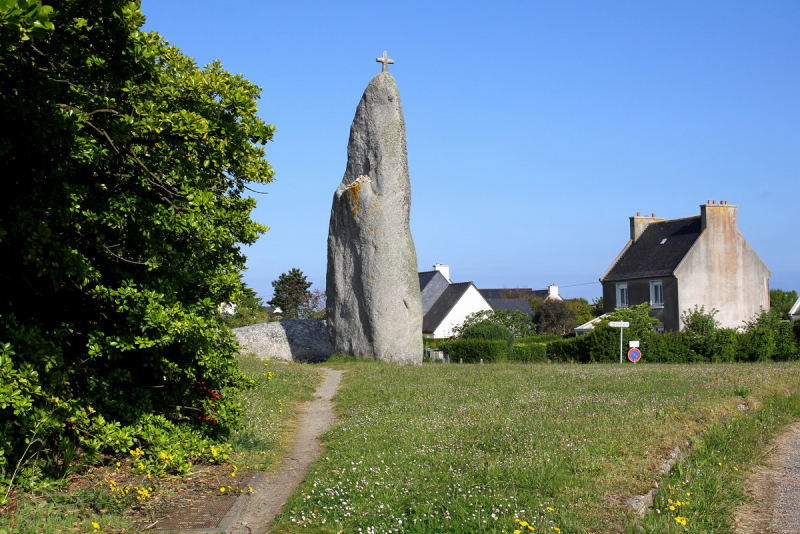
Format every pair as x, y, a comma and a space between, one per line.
130, 261
254, 191
103, 133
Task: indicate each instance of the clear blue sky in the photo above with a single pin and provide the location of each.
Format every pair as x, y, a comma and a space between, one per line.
535, 129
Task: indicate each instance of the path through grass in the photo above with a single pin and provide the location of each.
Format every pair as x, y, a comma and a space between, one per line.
499, 448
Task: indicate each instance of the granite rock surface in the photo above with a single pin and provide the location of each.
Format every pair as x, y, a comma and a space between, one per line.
374, 309
299, 340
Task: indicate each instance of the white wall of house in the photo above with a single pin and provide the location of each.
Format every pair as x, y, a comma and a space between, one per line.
794, 313
471, 301
722, 271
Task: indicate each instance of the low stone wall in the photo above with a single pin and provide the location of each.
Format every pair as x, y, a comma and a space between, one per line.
299, 340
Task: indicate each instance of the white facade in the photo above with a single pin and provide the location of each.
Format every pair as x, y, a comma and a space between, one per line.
470, 302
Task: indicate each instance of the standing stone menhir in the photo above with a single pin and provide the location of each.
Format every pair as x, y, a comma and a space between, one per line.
374, 309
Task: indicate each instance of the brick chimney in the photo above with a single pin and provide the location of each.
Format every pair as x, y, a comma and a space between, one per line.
719, 217
444, 269
640, 223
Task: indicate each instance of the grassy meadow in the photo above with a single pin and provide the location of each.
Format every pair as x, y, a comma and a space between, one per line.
493, 448
548, 448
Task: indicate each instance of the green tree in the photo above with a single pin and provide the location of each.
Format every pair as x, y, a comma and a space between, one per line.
314, 305
782, 301
555, 317
125, 169
639, 318
518, 322
701, 328
597, 306
582, 311
290, 293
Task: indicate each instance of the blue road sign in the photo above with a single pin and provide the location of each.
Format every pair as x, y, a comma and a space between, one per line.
634, 355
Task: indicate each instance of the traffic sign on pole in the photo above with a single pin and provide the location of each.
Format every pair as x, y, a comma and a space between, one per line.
620, 325
634, 355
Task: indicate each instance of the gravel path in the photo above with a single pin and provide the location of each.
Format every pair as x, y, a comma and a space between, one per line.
273, 491
776, 491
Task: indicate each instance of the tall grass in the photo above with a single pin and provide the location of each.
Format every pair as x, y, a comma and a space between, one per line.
499, 448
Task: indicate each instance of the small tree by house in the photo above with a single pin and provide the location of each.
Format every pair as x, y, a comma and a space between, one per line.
781, 301
290, 293
518, 322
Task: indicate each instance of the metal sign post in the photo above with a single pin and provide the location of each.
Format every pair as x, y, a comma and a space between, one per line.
620, 325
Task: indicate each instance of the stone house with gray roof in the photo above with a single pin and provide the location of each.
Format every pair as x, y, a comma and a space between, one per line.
678, 264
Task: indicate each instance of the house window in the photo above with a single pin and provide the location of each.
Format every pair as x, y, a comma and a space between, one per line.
622, 295
656, 294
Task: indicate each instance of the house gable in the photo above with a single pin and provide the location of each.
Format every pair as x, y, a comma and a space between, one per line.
455, 303
723, 272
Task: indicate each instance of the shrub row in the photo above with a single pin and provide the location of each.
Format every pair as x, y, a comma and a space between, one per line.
529, 352
475, 350
724, 345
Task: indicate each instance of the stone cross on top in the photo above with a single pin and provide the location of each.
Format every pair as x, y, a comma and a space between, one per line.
385, 60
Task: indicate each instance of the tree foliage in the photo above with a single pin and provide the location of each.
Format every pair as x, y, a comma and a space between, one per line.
518, 322
782, 301
555, 317
125, 169
314, 305
290, 293
249, 310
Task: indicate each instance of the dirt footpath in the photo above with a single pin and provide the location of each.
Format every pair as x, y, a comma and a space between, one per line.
775, 489
273, 491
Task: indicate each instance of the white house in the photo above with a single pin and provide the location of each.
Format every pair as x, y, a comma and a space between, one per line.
794, 313
445, 304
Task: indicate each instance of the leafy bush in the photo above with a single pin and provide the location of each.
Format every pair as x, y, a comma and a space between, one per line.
489, 331
518, 322
700, 328
124, 211
670, 347
758, 345
529, 352
474, 350
725, 345
543, 338
786, 346
574, 349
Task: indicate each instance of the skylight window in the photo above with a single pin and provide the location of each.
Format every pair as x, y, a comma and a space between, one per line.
663, 241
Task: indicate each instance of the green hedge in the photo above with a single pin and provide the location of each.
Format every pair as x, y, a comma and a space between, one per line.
475, 350
488, 330
725, 345
529, 352
544, 338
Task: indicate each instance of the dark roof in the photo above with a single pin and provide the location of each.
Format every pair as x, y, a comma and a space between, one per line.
443, 305
648, 257
511, 304
425, 277
513, 293
507, 293
432, 284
